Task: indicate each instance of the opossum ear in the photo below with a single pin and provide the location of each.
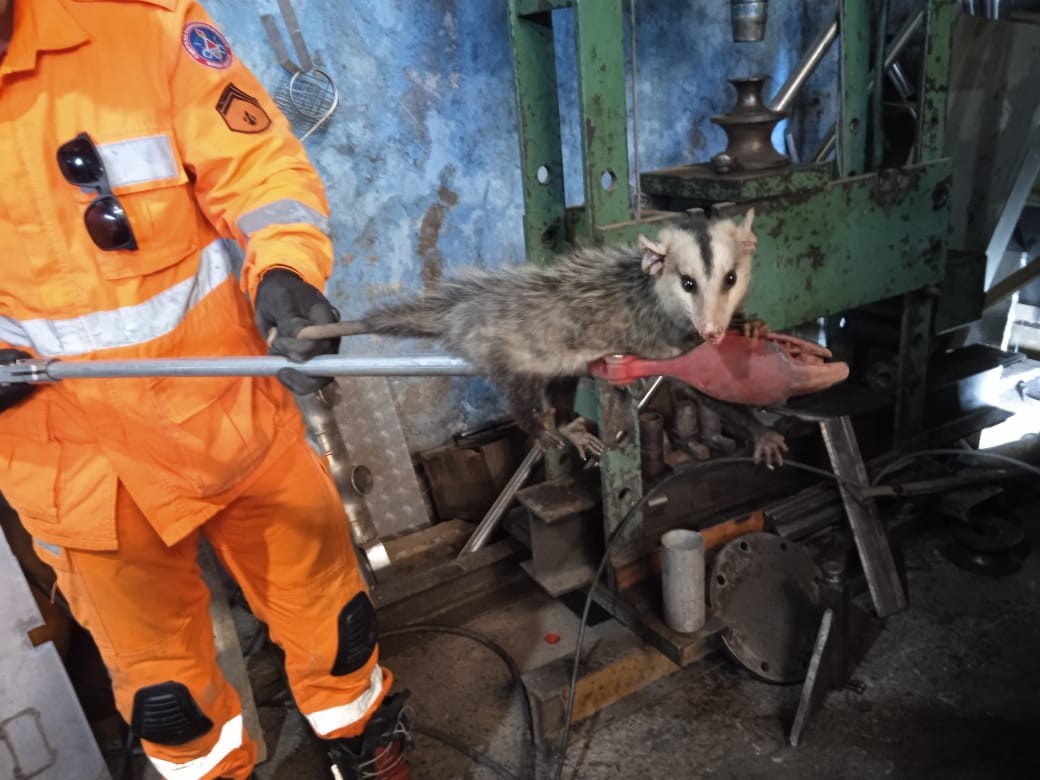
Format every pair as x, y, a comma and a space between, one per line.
653, 256
748, 240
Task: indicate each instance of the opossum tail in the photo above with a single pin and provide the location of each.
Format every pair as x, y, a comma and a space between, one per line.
423, 317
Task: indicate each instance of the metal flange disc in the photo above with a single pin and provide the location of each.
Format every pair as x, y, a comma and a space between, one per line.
765, 590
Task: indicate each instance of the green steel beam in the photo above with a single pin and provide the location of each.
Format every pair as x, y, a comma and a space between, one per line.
939, 20
604, 112
541, 149
620, 473
700, 183
847, 244
531, 7
853, 72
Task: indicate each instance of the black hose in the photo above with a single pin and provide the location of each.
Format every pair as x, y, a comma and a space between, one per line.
473, 755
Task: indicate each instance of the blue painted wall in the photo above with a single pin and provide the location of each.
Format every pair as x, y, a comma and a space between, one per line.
421, 160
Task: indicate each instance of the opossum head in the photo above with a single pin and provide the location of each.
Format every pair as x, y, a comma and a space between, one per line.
702, 270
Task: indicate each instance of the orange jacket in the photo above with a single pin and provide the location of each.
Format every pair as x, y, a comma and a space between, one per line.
196, 152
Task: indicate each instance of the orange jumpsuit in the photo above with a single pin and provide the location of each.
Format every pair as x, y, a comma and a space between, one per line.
117, 479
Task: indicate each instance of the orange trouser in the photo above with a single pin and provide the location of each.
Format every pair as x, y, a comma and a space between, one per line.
286, 541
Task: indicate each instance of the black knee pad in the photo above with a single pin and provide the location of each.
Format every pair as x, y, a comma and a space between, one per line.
166, 714
357, 635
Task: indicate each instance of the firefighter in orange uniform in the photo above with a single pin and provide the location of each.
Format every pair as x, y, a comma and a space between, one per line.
133, 143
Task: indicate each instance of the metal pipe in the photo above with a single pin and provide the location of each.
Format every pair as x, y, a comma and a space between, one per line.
682, 580
651, 444
895, 48
748, 18
52, 370
810, 60
493, 517
316, 409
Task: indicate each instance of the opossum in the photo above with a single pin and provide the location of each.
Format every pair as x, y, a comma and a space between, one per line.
525, 326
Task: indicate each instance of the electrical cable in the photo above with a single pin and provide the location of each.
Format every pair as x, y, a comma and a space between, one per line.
526, 766
979, 454
473, 755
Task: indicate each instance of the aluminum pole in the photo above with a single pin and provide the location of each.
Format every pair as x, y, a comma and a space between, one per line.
53, 370
812, 57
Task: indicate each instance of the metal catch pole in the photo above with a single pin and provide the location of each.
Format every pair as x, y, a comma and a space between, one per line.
53, 370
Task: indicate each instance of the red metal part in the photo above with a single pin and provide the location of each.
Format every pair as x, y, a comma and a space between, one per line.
763, 371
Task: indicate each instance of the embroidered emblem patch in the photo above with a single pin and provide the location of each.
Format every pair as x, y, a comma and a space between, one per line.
206, 45
242, 112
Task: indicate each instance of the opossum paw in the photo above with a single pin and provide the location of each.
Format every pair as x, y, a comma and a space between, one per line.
550, 440
586, 443
770, 447
756, 329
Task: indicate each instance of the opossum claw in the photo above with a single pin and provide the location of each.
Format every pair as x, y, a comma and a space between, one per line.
586, 443
547, 437
770, 447
755, 328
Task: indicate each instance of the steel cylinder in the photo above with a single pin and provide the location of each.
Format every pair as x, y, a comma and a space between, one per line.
682, 580
651, 444
749, 19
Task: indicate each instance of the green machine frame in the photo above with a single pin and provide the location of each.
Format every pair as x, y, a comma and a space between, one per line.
833, 236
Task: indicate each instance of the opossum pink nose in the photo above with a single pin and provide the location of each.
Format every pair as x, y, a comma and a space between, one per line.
713, 334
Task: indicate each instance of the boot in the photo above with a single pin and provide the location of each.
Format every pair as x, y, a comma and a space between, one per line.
379, 753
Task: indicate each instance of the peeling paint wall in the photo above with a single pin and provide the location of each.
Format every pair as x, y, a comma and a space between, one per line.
421, 160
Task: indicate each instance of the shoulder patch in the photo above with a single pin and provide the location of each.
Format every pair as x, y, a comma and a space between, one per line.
205, 44
241, 111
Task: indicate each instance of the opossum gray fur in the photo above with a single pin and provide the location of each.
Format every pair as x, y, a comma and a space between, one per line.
524, 326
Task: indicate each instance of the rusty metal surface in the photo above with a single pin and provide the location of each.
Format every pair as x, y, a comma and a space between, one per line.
853, 70
766, 593
840, 246
701, 184
620, 471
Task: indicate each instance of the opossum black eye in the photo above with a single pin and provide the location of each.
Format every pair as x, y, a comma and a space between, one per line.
689, 284
731, 279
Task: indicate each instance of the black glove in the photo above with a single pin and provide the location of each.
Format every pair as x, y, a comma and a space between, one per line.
287, 303
15, 392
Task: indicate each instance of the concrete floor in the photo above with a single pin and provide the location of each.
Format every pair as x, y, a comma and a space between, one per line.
950, 690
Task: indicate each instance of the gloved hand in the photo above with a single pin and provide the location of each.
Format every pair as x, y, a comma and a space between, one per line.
15, 392
287, 304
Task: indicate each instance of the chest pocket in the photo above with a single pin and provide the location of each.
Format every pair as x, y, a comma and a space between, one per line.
147, 176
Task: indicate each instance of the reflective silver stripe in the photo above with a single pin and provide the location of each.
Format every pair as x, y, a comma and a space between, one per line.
197, 768
326, 721
53, 549
125, 327
281, 212
138, 160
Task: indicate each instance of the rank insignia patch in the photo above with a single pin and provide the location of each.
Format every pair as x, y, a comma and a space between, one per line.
242, 112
